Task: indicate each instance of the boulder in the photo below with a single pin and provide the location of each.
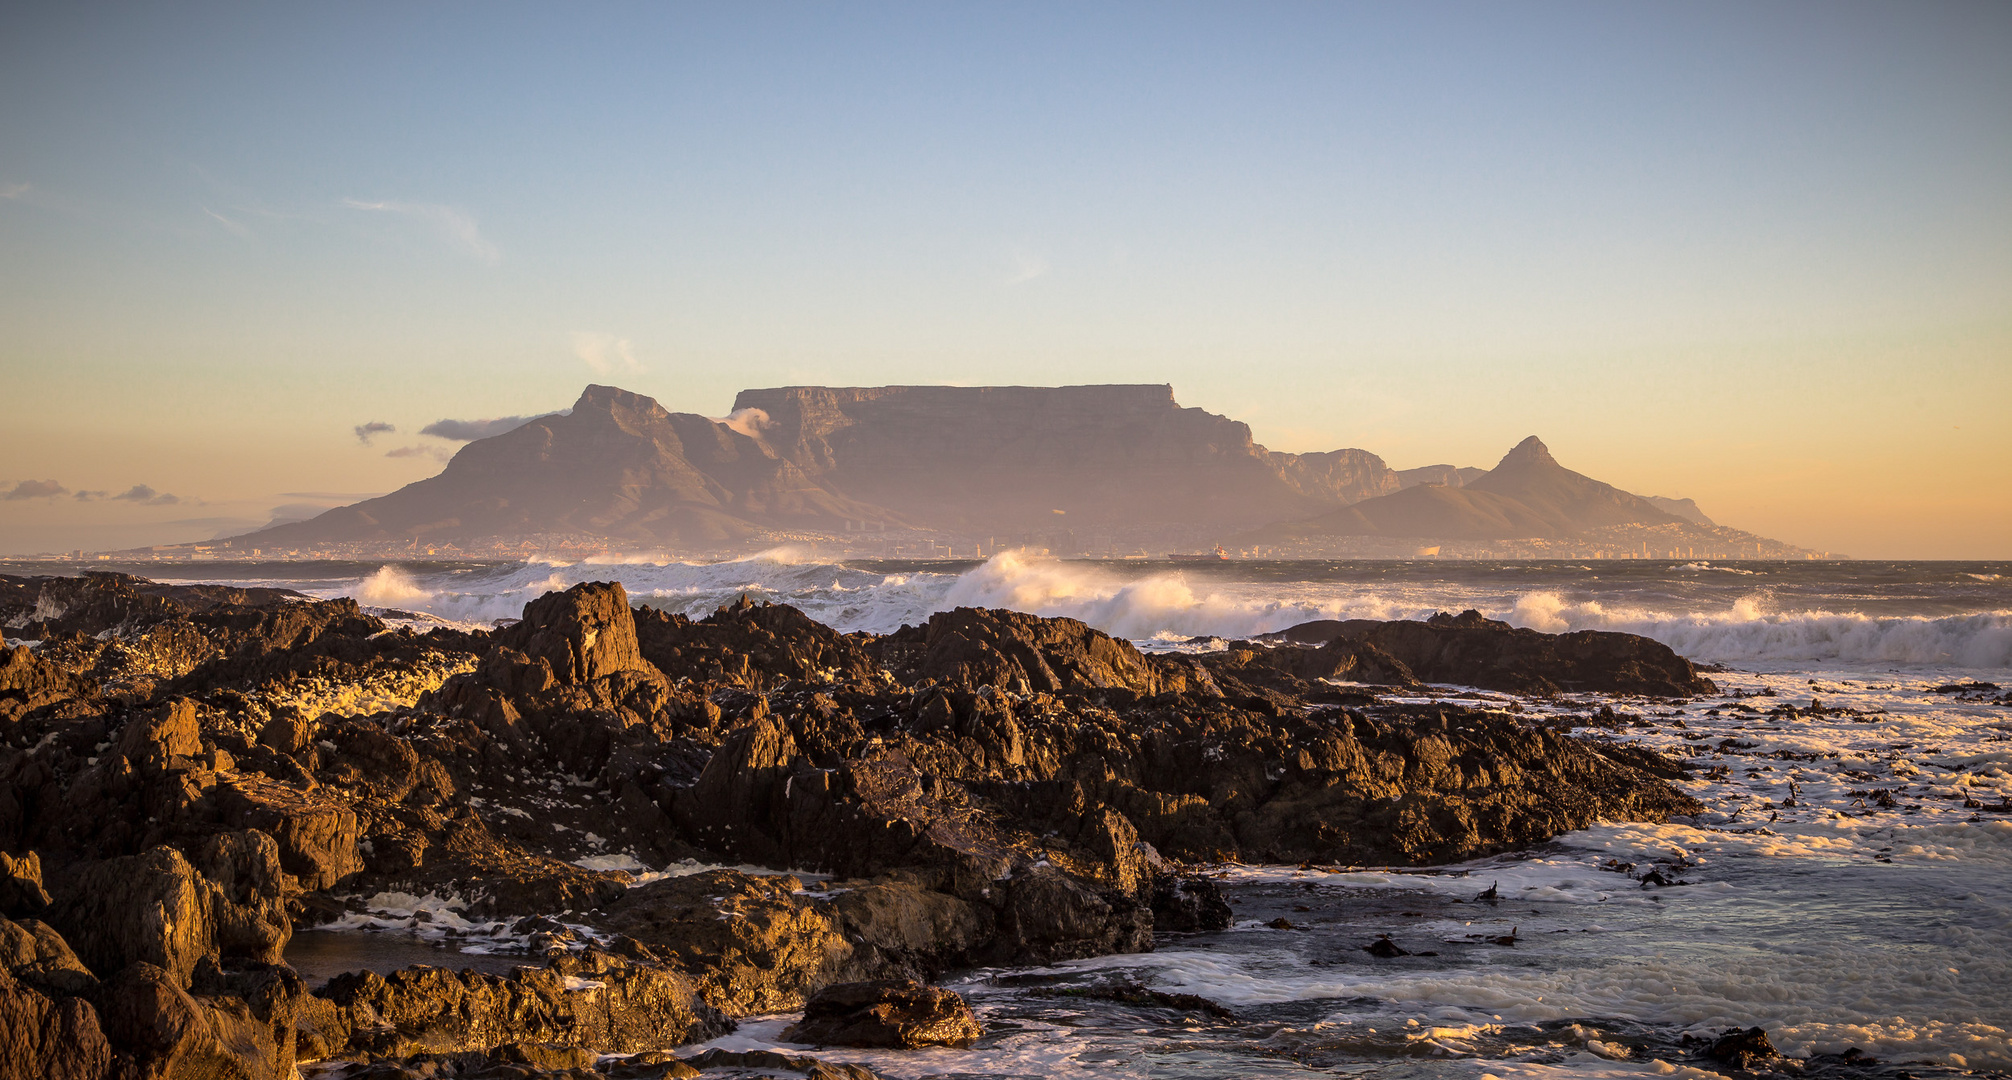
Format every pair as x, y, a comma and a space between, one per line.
1742, 1048
169, 1034
1049, 916
1012, 650
316, 835
157, 908
892, 1014
36, 954
596, 1002
49, 1038
1188, 905
1471, 650
750, 645
21, 891
171, 738
582, 634
753, 943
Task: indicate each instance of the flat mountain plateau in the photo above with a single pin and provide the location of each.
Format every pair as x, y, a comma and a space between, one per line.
897, 470
195, 774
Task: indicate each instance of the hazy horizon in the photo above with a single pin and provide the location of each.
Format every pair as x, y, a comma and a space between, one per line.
1755, 256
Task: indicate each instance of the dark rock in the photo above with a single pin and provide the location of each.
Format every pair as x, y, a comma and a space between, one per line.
1049, 916
1384, 949
768, 1061
36, 954
546, 1057
754, 646
21, 891
1188, 905
170, 1034
993, 788
44, 1037
1742, 1048
899, 1015
597, 1002
1470, 650
157, 908
582, 634
28, 682
1011, 650
753, 944
1132, 993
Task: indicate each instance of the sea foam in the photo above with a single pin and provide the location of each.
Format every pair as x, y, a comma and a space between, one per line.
1758, 626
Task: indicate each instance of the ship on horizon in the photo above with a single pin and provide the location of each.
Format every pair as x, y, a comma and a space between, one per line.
1218, 555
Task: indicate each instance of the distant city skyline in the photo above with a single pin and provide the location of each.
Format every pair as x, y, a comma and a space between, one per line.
1759, 256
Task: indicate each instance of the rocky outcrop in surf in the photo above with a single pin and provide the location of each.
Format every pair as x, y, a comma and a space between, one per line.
192, 777
1469, 649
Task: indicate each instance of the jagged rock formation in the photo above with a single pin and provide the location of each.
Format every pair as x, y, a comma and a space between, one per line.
989, 788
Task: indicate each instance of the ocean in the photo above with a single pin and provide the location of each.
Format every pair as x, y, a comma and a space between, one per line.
1848, 887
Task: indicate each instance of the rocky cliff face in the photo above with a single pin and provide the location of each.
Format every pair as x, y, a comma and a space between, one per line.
1447, 475
1000, 461
618, 466
1007, 458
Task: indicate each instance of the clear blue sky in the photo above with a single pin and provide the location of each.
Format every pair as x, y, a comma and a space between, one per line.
1759, 254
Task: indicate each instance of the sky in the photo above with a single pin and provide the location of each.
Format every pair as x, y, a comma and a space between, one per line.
1758, 254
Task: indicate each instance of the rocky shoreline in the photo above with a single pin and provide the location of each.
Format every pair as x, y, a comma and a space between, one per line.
193, 773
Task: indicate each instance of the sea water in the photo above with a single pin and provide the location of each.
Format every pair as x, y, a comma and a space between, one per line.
1849, 884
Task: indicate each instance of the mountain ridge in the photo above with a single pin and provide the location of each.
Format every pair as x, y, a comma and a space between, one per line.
937, 470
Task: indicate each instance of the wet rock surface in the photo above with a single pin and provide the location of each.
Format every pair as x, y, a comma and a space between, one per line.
1470, 650
896, 1014
191, 773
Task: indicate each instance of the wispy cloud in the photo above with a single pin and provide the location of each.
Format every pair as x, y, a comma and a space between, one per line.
470, 430
234, 228
433, 452
1024, 265
367, 432
138, 493
456, 225
749, 422
14, 191
605, 353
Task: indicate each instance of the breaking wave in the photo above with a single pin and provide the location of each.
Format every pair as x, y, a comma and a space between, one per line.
1746, 632
1173, 604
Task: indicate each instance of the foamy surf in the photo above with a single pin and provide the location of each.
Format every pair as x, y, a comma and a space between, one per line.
1710, 617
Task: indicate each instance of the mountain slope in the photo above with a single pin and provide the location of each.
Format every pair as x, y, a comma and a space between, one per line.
1449, 475
1527, 495
1683, 508
618, 466
1005, 458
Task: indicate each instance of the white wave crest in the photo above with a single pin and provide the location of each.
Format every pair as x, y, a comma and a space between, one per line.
1174, 604
391, 587
1747, 632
